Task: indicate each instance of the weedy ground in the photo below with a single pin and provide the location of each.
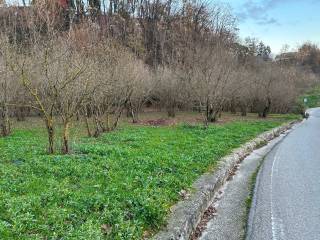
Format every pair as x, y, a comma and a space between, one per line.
118, 186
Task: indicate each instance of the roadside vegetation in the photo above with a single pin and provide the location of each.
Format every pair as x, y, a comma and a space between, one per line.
313, 98
118, 186
248, 202
108, 113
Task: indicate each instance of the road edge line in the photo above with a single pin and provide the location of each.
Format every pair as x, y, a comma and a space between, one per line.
186, 214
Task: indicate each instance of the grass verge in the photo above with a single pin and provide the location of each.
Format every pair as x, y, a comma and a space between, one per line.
313, 98
118, 186
248, 203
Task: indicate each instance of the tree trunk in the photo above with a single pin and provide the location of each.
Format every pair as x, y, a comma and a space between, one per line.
4, 121
78, 116
88, 126
233, 109
65, 138
97, 131
132, 112
21, 114
134, 115
116, 121
266, 109
264, 112
99, 125
243, 110
50, 131
108, 124
211, 115
206, 124
171, 111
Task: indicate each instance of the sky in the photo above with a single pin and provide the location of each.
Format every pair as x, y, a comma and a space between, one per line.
278, 22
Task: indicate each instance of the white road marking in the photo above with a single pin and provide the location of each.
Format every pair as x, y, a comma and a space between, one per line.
276, 222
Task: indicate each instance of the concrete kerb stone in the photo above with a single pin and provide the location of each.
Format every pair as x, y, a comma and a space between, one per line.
186, 214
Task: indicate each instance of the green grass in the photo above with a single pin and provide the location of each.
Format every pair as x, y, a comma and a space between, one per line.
249, 199
313, 97
119, 186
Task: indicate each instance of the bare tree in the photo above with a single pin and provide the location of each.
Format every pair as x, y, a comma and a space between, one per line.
142, 84
114, 75
212, 77
5, 94
50, 73
71, 85
170, 89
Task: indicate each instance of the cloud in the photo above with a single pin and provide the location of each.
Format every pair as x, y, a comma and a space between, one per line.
268, 21
259, 11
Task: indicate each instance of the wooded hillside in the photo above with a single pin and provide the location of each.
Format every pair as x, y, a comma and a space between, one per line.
97, 59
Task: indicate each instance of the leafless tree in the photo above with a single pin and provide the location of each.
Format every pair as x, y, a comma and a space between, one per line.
92, 59
212, 75
142, 84
51, 73
114, 75
6, 83
71, 85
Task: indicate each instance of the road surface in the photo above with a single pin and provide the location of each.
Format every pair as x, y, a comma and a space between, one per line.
286, 203
231, 206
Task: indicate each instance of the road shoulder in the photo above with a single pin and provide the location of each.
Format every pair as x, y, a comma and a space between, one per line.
229, 221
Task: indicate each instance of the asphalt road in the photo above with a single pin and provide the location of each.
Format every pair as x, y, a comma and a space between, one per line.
286, 203
230, 204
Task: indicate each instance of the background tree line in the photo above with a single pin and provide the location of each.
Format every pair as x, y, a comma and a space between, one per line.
95, 60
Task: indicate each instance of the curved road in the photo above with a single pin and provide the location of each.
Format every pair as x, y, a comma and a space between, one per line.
286, 203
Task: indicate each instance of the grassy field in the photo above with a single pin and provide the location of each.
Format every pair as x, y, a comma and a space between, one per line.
118, 186
313, 98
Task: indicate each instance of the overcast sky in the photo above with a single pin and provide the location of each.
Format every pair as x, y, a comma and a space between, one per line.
279, 22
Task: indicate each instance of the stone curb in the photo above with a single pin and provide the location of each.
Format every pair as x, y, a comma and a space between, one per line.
186, 214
